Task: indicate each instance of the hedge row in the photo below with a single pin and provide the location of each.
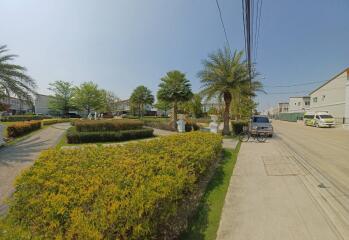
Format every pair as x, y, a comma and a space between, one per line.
55, 120
135, 191
19, 118
238, 126
161, 123
73, 136
22, 128
107, 125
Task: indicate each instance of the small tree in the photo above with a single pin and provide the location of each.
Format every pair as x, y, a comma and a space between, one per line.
140, 97
110, 101
61, 100
88, 97
163, 106
174, 88
194, 106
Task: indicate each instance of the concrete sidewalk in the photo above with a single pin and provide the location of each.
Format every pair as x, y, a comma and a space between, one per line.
268, 199
15, 158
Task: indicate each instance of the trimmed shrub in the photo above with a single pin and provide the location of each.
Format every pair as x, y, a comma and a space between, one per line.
107, 125
159, 123
135, 191
22, 128
73, 136
191, 126
238, 126
55, 120
20, 118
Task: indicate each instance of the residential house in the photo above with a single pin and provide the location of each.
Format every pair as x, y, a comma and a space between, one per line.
299, 104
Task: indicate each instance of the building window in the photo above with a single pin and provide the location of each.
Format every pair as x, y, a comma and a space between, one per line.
323, 97
315, 99
307, 103
299, 103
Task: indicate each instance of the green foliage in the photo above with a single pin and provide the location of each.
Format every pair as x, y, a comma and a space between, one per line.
88, 97
163, 106
193, 106
13, 78
55, 120
61, 100
140, 97
22, 128
107, 125
238, 126
174, 88
135, 191
159, 123
226, 75
191, 126
20, 118
4, 106
74, 136
109, 101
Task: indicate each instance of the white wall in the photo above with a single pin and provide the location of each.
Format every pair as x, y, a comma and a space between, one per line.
298, 104
41, 104
330, 97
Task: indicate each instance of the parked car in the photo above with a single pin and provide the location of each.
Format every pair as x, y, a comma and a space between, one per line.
323, 119
73, 115
308, 119
261, 124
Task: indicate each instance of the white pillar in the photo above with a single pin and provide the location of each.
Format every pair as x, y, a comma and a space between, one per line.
346, 111
2, 142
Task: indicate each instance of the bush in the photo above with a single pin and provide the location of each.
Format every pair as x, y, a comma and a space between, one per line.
55, 120
238, 126
135, 191
20, 118
159, 123
73, 136
22, 128
107, 125
191, 126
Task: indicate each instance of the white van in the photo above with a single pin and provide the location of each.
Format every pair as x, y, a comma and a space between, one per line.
324, 119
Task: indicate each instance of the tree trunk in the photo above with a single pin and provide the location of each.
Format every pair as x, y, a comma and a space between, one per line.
175, 115
227, 100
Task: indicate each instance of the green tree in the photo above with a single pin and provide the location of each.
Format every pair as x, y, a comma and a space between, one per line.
13, 78
110, 101
163, 105
194, 106
61, 100
225, 74
140, 97
174, 88
88, 97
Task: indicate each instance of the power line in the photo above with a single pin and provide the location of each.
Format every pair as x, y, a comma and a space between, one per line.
220, 16
294, 85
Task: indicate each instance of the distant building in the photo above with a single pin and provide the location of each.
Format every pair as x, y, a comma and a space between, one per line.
333, 97
283, 107
17, 106
299, 104
41, 104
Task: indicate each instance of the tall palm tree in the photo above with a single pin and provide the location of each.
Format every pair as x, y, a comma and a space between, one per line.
13, 78
224, 75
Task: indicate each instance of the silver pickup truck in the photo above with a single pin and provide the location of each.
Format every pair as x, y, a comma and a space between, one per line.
261, 124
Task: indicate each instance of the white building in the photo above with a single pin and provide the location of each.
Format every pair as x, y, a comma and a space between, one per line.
299, 104
41, 104
16, 106
283, 107
333, 97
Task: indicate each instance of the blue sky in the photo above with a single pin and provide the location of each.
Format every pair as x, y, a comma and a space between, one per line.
121, 44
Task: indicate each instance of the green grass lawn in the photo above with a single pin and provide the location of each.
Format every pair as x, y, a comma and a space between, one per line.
205, 222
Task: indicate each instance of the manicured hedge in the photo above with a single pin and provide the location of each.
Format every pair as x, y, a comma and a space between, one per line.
73, 136
107, 125
191, 126
136, 191
55, 120
237, 126
22, 128
159, 123
19, 118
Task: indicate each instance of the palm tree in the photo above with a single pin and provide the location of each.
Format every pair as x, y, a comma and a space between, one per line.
174, 88
224, 75
13, 79
140, 97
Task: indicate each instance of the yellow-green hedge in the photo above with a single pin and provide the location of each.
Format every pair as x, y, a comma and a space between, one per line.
107, 125
21, 128
120, 192
55, 120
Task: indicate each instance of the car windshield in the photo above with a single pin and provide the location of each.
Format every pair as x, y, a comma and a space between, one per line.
326, 116
309, 116
260, 120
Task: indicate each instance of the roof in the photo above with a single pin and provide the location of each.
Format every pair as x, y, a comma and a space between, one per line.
300, 97
345, 70
283, 103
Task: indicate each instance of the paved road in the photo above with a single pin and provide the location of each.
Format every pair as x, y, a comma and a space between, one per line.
15, 158
295, 186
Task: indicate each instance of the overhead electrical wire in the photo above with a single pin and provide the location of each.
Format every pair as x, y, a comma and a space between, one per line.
223, 26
